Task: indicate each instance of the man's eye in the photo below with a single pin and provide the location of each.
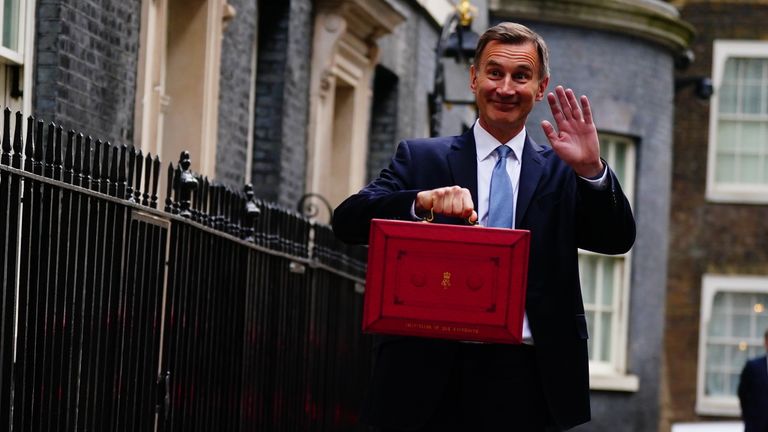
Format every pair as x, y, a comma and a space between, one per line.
494, 73
521, 76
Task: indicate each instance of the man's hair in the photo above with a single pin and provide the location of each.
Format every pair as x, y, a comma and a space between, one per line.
515, 34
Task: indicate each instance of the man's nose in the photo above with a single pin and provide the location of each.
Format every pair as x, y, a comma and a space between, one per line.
506, 86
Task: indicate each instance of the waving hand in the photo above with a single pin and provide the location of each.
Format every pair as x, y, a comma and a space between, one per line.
575, 139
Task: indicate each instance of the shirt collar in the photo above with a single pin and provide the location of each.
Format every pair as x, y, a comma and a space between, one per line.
486, 144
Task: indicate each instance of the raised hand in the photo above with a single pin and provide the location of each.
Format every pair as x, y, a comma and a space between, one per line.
575, 139
452, 201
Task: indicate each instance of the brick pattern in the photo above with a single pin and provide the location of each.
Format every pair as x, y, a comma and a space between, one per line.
383, 121
704, 237
282, 100
86, 59
234, 93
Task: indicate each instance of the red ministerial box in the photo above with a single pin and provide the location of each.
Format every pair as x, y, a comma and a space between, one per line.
446, 281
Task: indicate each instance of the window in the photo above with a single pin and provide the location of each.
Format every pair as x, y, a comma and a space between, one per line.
734, 316
11, 31
16, 50
605, 287
738, 130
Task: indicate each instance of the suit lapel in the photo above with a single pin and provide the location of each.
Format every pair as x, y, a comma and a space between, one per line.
462, 160
530, 173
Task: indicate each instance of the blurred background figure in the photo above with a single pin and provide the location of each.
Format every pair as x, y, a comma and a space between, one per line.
753, 392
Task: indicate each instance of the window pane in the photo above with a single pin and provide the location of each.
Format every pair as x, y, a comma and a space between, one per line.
728, 98
740, 326
609, 265
749, 169
752, 99
715, 356
715, 383
592, 335
725, 171
587, 266
620, 164
727, 136
753, 138
11, 24
607, 331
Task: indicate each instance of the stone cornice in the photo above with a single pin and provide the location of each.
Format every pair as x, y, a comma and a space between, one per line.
371, 19
652, 20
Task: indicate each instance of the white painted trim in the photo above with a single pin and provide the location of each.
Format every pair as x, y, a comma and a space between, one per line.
724, 193
710, 286
29, 56
623, 383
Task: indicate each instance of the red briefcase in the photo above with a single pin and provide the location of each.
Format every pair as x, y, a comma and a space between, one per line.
446, 281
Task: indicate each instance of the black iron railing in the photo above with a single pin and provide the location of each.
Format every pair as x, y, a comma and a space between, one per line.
218, 313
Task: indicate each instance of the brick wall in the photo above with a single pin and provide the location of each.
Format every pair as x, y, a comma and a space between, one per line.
382, 133
705, 237
86, 55
282, 100
234, 93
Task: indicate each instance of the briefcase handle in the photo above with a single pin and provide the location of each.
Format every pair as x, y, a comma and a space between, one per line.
431, 217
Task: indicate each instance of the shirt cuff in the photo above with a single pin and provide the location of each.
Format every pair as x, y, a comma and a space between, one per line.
413, 212
599, 182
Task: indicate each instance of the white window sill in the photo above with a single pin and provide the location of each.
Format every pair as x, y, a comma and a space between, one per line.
622, 383
718, 406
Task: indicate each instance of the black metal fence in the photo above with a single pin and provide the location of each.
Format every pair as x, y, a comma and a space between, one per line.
220, 313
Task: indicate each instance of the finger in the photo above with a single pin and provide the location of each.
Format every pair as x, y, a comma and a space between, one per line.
473, 217
557, 113
467, 204
574, 104
587, 110
549, 131
565, 106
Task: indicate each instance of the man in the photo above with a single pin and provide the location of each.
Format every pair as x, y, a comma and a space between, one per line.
753, 392
495, 174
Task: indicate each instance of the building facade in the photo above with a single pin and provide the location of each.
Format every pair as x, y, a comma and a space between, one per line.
718, 262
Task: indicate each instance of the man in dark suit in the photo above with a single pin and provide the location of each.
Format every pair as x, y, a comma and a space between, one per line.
753, 392
565, 195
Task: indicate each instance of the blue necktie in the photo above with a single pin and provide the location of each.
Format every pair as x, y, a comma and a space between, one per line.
502, 199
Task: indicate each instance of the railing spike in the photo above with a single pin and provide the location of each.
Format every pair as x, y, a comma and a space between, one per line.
130, 166
7, 147
96, 173
147, 175
155, 181
77, 174
29, 150
57, 162
18, 143
68, 156
139, 168
169, 189
87, 156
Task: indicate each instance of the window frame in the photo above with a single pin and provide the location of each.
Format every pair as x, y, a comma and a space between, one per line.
612, 375
7, 55
720, 192
712, 285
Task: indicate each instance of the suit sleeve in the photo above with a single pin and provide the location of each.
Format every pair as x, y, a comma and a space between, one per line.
390, 196
604, 218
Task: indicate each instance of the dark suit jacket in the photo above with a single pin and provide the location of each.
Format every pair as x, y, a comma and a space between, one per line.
753, 395
562, 212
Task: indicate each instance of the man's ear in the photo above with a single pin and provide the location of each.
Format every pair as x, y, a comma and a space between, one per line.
542, 88
472, 78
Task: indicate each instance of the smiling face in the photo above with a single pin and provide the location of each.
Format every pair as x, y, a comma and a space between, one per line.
506, 84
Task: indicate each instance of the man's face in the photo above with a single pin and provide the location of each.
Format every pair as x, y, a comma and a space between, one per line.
506, 85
